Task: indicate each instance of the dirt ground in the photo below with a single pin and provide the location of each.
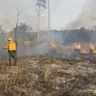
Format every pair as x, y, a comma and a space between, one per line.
47, 76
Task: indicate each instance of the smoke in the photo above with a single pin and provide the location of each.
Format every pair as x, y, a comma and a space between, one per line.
87, 17
39, 49
8, 11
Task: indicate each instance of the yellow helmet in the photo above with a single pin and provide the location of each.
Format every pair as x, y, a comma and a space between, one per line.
9, 39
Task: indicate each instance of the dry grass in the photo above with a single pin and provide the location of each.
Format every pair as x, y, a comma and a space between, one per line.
45, 76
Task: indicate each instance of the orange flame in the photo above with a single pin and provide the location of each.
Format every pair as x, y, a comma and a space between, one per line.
94, 52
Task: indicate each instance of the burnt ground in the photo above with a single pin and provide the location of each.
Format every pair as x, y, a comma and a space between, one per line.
49, 76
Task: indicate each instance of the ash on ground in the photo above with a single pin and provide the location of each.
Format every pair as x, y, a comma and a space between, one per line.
47, 76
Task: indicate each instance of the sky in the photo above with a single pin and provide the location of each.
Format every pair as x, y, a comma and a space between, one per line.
62, 12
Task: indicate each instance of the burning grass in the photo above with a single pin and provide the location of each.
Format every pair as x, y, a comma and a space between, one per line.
46, 76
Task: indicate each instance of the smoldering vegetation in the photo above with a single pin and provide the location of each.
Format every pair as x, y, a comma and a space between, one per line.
47, 76
43, 71
28, 45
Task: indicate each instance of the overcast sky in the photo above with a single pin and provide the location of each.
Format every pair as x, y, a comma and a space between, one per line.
62, 11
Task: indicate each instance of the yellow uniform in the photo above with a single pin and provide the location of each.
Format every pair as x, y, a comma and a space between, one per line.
11, 46
77, 48
11, 50
92, 48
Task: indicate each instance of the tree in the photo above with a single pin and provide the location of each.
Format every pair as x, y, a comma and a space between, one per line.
40, 3
23, 32
2, 33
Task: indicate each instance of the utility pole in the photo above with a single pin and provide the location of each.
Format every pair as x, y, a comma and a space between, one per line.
38, 19
40, 3
18, 14
48, 18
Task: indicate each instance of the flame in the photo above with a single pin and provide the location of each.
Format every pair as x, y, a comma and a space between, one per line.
27, 42
84, 50
94, 52
53, 45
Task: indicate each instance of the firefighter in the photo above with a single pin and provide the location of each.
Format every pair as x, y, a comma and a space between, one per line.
77, 49
92, 48
11, 46
54, 47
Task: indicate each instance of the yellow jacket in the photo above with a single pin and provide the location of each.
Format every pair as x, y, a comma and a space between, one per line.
11, 46
92, 47
77, 46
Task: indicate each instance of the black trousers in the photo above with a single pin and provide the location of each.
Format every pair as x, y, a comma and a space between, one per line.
77, 51
91, 52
